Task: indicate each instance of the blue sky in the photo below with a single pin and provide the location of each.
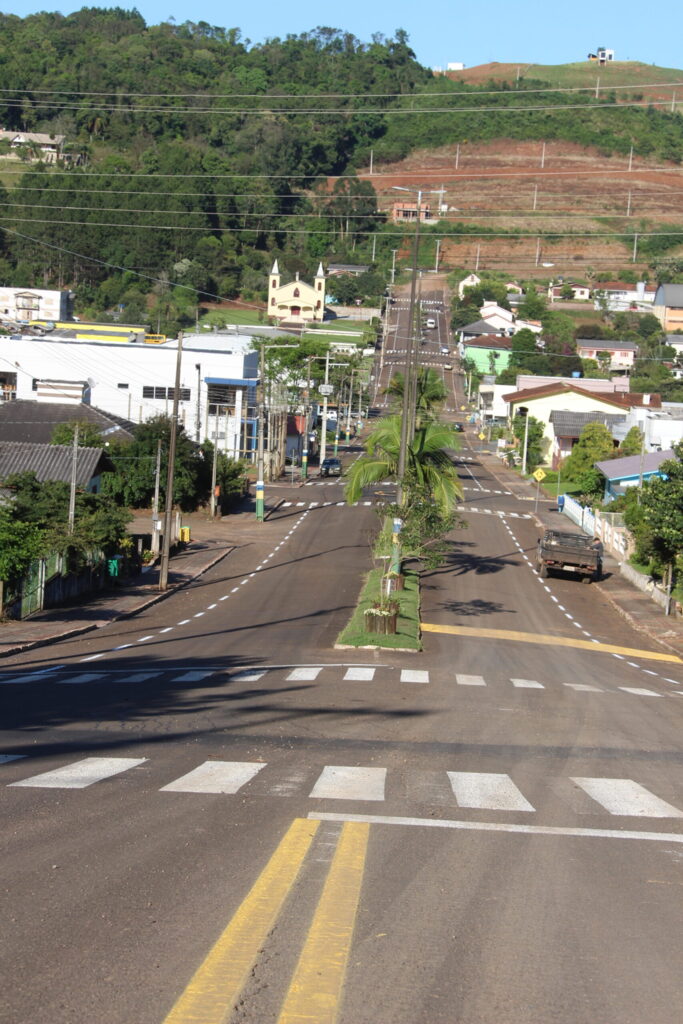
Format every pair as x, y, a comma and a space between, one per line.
440, 31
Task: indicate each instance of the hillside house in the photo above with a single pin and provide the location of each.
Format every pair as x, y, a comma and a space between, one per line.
488, 354
568, 426
47, 148
622, 354
580, 292
620, 474
620, 296
405, 212
542, 402
22, 305
471, 281
668, 306
54, 462
296, 302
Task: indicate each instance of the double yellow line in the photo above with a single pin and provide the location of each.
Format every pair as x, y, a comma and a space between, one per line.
316, 987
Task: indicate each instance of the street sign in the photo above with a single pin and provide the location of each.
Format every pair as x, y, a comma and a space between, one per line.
326, 389
482, 436
539, 475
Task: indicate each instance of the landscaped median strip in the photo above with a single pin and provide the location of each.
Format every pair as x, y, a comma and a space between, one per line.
515, 636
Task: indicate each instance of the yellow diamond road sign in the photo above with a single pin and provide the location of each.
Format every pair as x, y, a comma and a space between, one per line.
539, 475
482, 436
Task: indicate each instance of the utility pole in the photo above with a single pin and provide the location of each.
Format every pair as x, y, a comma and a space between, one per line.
304, 454
213, 473
526, 440
168, 512
323, 428
260, 487
438, 249
198, 426
155, 506
348, 408
74, 474
393, 264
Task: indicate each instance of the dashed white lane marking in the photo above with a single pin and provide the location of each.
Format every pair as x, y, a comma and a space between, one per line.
487, 791
463, 680
198, 615
215, 777
627, 798
224, 597
414, 676
124, 647
640, 691
234, 590
81, 773
242, 582
649, 672
166, 630
211, 607
360, 674
338, 782
527, 684
94, 657
183, 622
143, 638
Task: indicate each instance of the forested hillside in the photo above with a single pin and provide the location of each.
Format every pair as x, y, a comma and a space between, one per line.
192, 158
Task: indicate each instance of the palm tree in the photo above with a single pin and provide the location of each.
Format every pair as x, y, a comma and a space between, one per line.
431, 392
428, 466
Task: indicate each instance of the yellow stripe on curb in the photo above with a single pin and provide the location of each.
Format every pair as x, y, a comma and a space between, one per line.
515, 636
217, 983
315, 992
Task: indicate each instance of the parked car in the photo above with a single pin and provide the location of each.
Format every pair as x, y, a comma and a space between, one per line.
431, 322
330, 467
444, 351
447, 366
458, 428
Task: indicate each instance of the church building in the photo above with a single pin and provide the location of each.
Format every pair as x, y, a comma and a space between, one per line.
296, 302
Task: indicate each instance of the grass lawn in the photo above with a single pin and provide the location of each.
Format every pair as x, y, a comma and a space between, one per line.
407, 636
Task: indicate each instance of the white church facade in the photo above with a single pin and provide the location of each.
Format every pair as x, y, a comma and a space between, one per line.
296, 302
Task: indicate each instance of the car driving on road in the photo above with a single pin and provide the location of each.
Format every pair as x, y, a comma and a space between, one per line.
330, 467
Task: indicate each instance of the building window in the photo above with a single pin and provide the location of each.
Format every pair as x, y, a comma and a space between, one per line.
163, 393
122, 387
272, 302
296, 293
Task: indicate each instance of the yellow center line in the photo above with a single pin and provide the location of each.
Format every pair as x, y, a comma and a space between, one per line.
545, 638
315, 992
217, 983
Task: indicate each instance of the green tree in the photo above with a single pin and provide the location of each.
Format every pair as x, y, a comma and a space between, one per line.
431, 392
632, 443
20, 544
656, 519
595, 444
429, 468
89, 436
535, 440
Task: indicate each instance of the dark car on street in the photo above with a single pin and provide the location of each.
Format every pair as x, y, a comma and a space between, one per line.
330, 467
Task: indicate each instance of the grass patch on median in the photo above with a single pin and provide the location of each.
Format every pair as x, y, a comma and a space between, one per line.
407, 635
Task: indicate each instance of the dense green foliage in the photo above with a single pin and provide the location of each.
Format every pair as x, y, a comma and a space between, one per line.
654, 515
193, 157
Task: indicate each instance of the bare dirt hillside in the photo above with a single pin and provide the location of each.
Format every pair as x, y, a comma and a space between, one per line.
530, 187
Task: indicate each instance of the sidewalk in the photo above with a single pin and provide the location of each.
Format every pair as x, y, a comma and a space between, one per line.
635, 606
211, 541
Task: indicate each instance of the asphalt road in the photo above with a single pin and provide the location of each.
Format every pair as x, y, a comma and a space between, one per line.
213, 815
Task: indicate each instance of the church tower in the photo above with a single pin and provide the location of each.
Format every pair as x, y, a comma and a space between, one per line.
273, 287
319, 285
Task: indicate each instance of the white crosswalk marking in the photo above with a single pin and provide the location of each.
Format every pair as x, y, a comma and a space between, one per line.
414, 676
34, 677
337, 782
469, 680
248, 676
81, 773
488, 791
640, 691
304, 674
6, 758
216, 777
584, 687
628, 798
360, 674
527, 684
80, 678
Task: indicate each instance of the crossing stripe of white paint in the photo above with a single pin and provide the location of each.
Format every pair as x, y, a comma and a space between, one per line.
639, 691
286, 504
215, 777
628, 798
248, 676
81, 678
35, 677
81, 773
341, 783
584, 687
359, 673
137, 677
192, 677
409, 675
6, 758
304, 674
487, 790
527, 684
470, 680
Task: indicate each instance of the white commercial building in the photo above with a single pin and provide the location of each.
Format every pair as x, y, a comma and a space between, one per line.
22, 305
137, 380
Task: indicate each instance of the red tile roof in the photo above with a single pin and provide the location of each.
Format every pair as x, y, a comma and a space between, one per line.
620, 399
